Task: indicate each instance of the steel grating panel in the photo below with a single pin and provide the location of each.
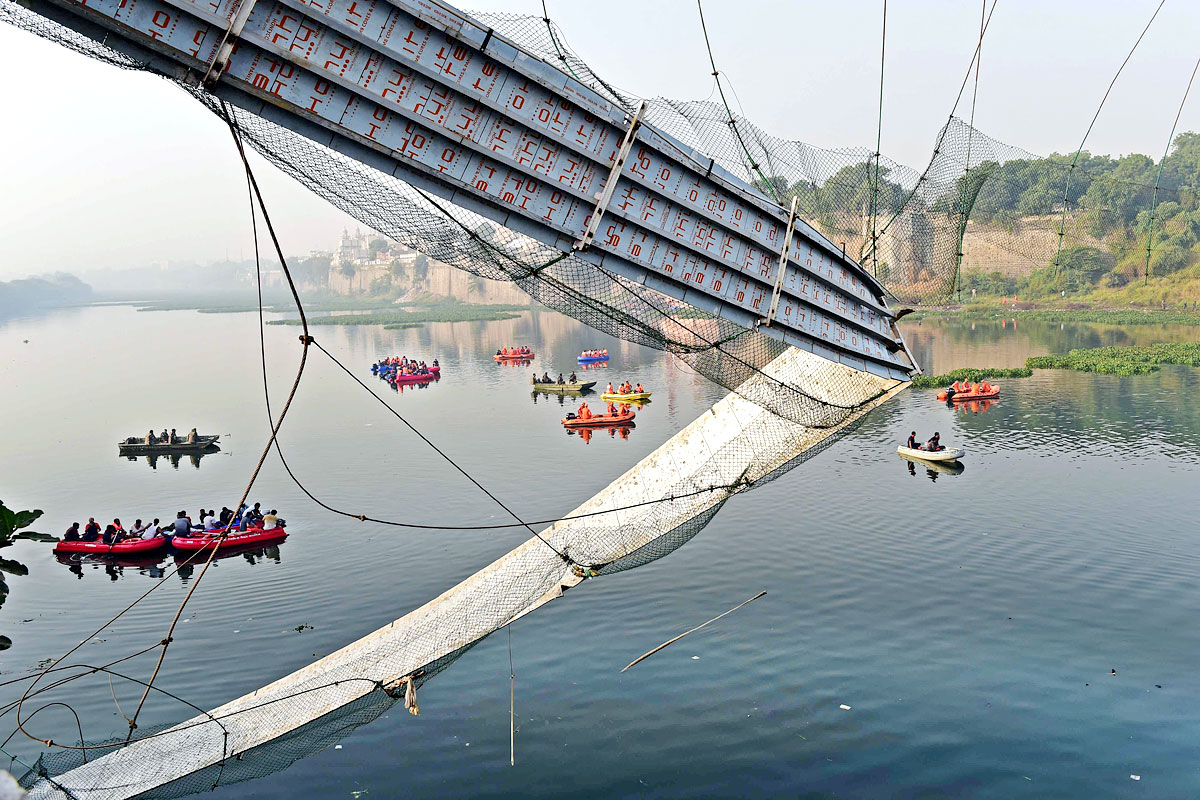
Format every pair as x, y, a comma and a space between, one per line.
445, 104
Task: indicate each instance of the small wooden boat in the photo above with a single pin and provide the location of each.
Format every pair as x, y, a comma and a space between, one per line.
599, 420
591, 359
949, 454
559, 388
235, 539
632, 397
119, 549
139, 446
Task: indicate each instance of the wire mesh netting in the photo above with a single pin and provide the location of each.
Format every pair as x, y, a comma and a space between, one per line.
979, 205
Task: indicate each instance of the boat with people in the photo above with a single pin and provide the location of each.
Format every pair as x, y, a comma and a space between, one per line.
631, 397
401, 370
248, 525
592, 356
968, 390
220, 540
559, 388
507, 354
932, 450
626, 392
584, 418
949, 454
167, 442
123, 548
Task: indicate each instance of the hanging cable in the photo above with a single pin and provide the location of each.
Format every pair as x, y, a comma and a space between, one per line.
964, 212
942, 136
1158, 178
1062, 225
729, 112
878, 147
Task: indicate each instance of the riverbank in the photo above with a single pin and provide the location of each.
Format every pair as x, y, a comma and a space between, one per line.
1057, 313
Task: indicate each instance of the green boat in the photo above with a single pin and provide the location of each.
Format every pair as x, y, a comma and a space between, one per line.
563, 388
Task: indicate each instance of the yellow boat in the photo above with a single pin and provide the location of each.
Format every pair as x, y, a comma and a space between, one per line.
632, 397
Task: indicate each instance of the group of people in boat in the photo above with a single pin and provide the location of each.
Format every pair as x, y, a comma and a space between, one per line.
594, 354
403, 365
211, 523
932, 446
171, 438
625, 388
583, 412
560, 382
969, 387
516, 352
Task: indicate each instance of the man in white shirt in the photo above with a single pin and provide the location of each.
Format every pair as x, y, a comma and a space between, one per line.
210, 522
151, 530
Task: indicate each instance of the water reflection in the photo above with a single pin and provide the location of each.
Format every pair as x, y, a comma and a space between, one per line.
934, 468
614, 432
173, 459
972, 406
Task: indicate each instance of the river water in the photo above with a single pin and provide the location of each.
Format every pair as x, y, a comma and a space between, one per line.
970, 622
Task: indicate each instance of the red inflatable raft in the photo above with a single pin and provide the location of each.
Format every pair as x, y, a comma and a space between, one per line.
236, 539
962, 397
119, 549
599, 420
426, 378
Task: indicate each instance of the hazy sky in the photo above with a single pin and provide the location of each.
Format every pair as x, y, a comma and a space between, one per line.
107, 168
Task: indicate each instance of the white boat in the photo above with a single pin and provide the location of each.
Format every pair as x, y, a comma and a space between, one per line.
949, 454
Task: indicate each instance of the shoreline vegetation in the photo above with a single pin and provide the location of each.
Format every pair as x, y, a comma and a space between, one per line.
355, 310
1123, 361
400, 318
1078, 313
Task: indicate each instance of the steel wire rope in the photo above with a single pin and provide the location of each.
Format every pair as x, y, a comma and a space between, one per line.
252, 189
166, 641
1161, 163
962, 226
305, 340
732, 124
1067, 189
941, 136
878, 146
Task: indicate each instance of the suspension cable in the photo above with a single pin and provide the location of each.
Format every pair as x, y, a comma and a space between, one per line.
878, 146
729, 112
1161, 162
1062, 225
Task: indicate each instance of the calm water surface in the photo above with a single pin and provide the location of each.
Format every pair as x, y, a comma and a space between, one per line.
970, 622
